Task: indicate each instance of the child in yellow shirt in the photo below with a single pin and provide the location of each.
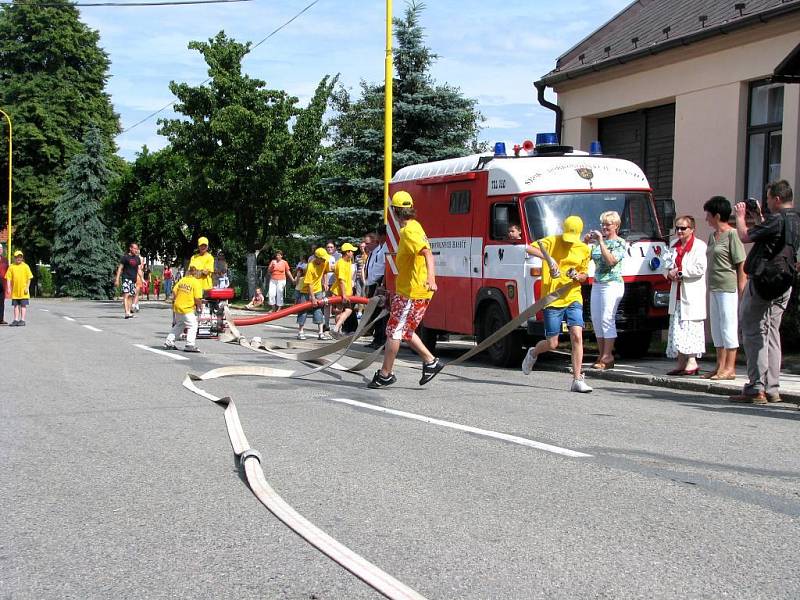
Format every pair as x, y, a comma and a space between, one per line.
18, 278
188, 294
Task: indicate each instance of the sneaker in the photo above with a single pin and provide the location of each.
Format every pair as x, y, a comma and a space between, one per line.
301, 336
190, 348
135, 308
3, 323
379, 381
580, 386
14, 323
128, 316
430, 370
170, 346
528, 362
324, 336
20, 323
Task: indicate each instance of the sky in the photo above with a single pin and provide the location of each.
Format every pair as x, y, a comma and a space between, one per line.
492, 52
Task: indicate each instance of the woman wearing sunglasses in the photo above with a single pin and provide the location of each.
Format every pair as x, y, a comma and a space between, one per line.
687, 298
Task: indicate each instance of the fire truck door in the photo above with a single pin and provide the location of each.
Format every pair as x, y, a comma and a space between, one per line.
463, 251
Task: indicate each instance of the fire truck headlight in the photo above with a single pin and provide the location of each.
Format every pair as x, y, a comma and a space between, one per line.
661, 298
536, 271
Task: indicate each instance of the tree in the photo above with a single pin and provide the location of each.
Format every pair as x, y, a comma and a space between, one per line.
52, 83
251, 153
430, 122
84, 253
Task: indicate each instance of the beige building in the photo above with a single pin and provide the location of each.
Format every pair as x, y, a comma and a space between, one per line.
702, 94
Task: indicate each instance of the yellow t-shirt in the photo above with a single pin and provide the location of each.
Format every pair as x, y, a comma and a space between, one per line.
568, 256
186, 291
343, 270
313, 279
204, 263
412, 272
19, 275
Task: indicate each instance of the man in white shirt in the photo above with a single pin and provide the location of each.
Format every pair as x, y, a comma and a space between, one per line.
376, 269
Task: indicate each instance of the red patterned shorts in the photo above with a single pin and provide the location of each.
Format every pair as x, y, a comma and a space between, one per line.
405, 315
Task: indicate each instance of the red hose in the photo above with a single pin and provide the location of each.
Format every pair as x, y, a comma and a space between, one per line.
294, 309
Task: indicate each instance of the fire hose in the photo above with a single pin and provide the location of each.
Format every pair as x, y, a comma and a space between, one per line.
251, 460
296, 309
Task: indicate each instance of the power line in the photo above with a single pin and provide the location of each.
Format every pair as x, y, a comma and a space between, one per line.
163, 108
112, 4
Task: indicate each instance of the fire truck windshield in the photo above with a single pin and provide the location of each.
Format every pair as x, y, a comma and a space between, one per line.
546, 212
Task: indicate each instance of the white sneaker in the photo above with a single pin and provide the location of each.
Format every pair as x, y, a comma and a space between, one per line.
324, 336
301, 336
580, 386
528, 362
170, 345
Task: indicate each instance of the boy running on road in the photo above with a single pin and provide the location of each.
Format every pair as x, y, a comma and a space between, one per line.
565, 262
414, 287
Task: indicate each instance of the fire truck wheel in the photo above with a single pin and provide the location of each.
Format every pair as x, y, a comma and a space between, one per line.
428, 337
508, 350
634, 345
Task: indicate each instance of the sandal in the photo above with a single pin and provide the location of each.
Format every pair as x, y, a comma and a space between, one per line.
710, 375
599, 365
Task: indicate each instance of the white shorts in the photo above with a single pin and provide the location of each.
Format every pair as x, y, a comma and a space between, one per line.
724, 319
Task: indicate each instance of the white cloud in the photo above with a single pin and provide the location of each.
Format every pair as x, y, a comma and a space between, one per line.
500, 123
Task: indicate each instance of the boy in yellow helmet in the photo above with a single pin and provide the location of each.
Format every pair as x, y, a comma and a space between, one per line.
414, 287
343, 285
18, 277
312, 289
203, 261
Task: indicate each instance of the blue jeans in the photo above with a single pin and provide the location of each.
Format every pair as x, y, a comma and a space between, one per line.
553, 317
317, 316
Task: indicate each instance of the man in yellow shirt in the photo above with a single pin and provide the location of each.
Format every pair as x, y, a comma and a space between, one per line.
203, 261
18, 278
188, 301
343, 285
312, 289
565, 261
414, 287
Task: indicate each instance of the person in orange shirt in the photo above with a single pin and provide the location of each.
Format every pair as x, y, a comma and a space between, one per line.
279, 270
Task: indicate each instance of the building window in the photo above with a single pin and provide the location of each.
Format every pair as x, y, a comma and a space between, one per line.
459, 202
764, 136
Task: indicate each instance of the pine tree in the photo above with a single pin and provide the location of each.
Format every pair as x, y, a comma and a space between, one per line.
430, 122
84, 253
52, 83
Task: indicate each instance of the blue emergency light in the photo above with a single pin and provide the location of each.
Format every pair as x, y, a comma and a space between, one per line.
546, 139
500, 149
595, 149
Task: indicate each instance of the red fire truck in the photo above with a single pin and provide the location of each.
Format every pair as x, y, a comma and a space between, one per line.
485, 278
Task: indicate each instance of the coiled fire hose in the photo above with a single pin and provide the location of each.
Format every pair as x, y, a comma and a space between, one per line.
251, 460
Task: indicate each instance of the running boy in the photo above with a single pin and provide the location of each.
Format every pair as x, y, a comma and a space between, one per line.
19, 278
565, 262
188, 301
414, 287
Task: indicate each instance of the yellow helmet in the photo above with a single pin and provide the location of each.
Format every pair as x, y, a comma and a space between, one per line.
402, 199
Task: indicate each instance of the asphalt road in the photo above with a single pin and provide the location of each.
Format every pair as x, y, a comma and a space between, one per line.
115, 481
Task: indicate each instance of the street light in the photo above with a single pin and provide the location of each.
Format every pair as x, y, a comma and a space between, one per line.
10, 148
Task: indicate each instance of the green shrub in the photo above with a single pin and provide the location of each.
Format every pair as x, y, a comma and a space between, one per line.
45, 282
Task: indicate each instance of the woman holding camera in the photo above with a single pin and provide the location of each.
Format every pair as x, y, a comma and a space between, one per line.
686, 269
608, 250
726, 281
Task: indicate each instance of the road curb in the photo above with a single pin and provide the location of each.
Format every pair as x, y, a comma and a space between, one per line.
674, 383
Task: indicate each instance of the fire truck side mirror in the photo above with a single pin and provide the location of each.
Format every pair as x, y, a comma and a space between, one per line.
666, 214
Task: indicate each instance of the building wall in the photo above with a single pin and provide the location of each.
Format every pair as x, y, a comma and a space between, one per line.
708, 81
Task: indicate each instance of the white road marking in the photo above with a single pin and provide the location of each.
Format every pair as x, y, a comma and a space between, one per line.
483, 432
44, 309
162, 352
90, 328
69, 318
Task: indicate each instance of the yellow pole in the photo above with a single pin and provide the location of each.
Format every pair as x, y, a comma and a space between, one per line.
10, 148
387, 111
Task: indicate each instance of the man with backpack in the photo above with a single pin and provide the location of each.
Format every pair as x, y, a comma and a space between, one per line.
771, 270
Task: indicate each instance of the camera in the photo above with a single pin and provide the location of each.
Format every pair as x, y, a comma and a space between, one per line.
753, 205
572, 273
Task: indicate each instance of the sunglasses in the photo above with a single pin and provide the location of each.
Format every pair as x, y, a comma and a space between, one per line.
681, 228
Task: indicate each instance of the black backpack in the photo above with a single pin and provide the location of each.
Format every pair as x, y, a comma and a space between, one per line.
774, 275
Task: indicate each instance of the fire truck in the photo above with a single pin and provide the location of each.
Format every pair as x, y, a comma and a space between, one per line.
485, 278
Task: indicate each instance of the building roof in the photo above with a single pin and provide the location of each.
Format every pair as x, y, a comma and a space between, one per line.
648, 27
